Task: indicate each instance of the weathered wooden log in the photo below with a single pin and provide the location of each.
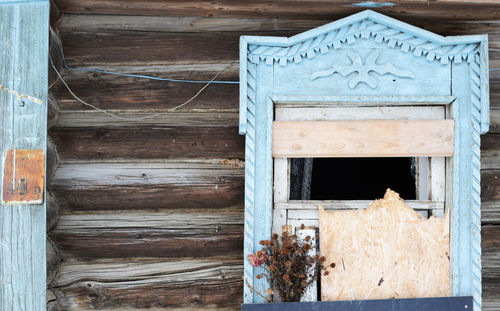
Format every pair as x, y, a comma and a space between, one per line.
121, 186
53, 261
151, 197
52, 304
490, 212
96, 119
55, 56
162, 142
490, 185
490, 198
495, 89
150, 234
491, 293
495, 116
119, 23
210, 283
121, 48
117, 92
490, 151
55, 13
97, 23
458, 10
52, 111
490, 236
168, 48
52, 159
491, 267
84, 174
52, 211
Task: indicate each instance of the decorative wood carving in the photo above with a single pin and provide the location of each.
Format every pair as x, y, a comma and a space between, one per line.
365, 25
363, 68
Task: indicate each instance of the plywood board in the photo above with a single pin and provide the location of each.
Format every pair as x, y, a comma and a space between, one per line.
385, 251
362, 138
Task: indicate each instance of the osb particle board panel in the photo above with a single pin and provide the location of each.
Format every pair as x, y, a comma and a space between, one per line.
385, 251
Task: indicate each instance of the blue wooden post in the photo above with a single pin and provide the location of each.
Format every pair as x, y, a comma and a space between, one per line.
24, 29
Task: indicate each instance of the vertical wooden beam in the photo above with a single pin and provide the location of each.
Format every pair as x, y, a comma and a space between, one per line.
281, 192
260, 176
24, 36
460, 228
438, 183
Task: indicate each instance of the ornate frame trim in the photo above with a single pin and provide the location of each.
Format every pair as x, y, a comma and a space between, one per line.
365, 25
471, 115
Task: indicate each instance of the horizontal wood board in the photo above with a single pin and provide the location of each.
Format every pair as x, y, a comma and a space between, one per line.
100, 36
366, 138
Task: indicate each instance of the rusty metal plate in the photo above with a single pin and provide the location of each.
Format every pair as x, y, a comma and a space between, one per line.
23, 176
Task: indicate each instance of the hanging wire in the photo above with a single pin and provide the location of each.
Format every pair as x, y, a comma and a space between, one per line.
65, 63
134, 119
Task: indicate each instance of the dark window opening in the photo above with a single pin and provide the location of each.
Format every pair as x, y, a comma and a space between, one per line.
351, 178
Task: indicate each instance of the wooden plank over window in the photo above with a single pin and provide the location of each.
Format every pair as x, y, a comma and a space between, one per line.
363, 138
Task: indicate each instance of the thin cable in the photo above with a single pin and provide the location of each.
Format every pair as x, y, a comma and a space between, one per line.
133, 119
59, 45
65, 63
150, 77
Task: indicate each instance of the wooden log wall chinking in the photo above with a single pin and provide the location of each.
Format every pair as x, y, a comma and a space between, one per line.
150, 212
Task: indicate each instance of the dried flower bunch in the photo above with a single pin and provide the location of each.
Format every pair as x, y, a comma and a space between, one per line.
289, 265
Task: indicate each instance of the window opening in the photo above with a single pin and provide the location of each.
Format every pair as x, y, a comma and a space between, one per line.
351, 178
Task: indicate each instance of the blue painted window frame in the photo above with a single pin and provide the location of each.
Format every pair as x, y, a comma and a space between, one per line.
469, 107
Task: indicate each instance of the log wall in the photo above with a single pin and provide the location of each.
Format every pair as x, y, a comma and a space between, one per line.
148, 215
